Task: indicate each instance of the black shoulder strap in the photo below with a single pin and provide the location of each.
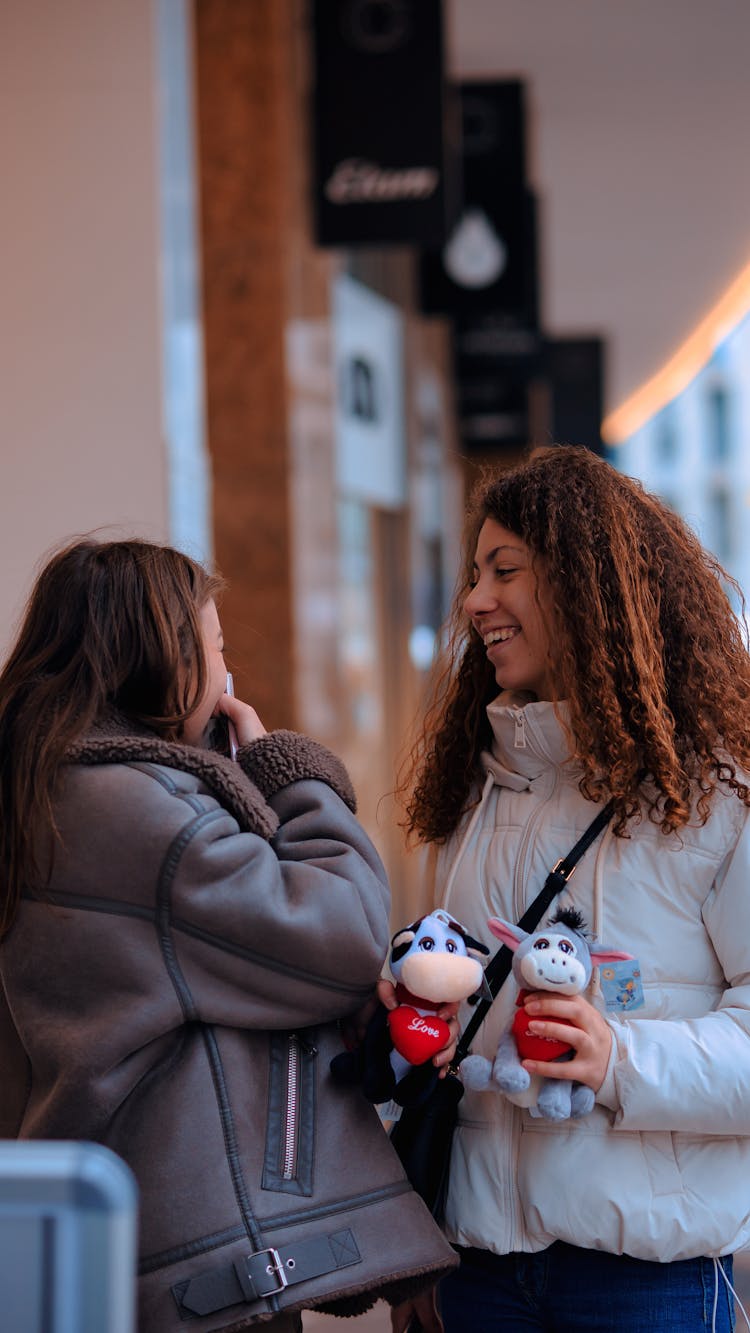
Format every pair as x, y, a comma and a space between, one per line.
499, 965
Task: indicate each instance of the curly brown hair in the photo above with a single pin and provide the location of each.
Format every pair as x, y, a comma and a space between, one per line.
648, 651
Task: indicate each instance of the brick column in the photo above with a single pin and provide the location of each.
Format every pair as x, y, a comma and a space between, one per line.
243, 96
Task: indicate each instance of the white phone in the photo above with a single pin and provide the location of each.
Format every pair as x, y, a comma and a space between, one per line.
232, 734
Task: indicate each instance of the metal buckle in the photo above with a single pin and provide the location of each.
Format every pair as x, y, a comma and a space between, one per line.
276, 1267
557, 871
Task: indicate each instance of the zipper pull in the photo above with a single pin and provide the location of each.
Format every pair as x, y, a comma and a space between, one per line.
519, 739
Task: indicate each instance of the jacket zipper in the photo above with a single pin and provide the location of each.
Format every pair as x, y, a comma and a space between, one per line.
519, 735
514, 1112
519, 876
297, 1047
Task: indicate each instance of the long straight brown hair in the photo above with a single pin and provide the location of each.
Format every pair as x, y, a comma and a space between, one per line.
110, 627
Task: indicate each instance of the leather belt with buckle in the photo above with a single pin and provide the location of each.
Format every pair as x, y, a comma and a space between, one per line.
265, 1273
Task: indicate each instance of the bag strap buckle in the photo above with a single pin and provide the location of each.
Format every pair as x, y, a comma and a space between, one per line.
562, 869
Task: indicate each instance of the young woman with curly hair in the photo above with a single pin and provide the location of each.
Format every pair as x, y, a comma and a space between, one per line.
596, 658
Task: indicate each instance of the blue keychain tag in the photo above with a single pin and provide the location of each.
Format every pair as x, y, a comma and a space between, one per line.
622, 987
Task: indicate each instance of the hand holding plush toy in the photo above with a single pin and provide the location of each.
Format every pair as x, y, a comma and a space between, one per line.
556, 957
433, 962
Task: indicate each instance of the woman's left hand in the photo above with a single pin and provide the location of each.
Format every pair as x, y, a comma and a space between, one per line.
574, 1020
448, 1012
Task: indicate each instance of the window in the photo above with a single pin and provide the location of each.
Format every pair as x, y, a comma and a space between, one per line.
720, 517
666, 437
718, 423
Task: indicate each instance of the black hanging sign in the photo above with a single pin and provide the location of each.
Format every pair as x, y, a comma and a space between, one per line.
381, 106
489, 260
575, 376
493, 412
488, 341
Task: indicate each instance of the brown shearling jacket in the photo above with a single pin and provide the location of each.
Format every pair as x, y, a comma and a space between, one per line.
174, 995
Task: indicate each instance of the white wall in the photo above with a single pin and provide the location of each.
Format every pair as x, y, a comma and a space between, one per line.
80, 392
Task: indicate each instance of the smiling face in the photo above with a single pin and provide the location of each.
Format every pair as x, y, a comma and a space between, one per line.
216, 672
506, 606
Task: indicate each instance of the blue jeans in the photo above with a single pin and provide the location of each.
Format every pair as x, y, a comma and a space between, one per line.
564, 1289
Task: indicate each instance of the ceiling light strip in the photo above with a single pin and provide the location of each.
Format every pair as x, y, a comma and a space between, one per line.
688, 360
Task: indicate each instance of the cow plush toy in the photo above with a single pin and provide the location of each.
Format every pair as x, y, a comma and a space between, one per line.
433, 962
556, 957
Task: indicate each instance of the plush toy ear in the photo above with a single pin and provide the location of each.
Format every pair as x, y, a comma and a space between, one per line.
507, 932
405, 940
407, 930
601, 954
474, 948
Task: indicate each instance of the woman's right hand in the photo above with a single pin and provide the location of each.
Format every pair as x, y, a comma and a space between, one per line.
244, 718
386, 992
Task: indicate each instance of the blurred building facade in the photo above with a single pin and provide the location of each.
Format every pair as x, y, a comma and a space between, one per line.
177, 349
685, 436
178, 362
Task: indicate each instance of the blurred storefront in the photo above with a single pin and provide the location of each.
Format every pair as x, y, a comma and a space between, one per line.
200, 351
372, 328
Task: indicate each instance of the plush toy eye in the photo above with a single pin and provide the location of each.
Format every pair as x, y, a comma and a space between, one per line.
566, 947
541, 943
427, 943
451, 946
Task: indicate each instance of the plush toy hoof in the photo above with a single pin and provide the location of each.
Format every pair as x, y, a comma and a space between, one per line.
553, 1102
554, 1113
582, 1101
512, 1080
476, 1073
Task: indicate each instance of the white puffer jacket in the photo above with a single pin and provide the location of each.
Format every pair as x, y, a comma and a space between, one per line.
661, 1168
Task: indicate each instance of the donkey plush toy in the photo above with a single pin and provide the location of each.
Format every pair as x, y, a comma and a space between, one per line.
433, 961
556, 957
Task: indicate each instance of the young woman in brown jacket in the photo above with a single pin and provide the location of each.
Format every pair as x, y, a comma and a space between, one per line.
181, 933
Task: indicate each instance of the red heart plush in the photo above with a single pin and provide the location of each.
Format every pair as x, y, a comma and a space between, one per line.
415, 1036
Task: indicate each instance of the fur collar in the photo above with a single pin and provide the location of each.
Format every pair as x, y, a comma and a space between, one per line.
118, 740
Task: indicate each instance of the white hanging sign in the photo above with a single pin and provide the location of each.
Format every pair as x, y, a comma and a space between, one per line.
369, 413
